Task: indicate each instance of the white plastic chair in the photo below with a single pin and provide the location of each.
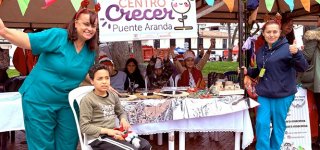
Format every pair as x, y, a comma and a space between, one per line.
176, 79
77, 94
171, 81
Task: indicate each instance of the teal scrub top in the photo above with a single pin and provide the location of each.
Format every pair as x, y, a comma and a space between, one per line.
59, 69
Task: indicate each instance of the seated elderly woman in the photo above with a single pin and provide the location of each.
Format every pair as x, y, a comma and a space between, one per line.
200, 61
159, 71
191, 77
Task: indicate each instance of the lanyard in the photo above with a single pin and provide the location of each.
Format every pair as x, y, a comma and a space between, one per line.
265, 60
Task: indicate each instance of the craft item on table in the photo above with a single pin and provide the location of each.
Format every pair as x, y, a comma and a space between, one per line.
127, 97
219, 86
132, 87
229, 88
202, 94
174, 88
192, 90
147, 93
231, 92
129, 136
237, 86
172, 93
228, 85
150, 95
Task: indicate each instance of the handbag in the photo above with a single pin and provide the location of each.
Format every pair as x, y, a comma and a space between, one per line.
250, 86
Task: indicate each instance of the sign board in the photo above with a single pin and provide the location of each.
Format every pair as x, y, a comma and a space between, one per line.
128, 20
298, 134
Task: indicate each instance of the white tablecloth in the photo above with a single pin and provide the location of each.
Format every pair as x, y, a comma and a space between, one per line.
233, 122
236, 120
11, 115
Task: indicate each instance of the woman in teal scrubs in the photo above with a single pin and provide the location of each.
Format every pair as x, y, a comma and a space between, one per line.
65, 58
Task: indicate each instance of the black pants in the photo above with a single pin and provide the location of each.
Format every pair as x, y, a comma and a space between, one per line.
109, 143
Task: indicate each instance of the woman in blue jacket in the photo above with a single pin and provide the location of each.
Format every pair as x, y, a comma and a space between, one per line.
277, 63
65, 58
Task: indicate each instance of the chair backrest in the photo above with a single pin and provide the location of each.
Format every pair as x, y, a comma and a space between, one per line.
77, 95
171, 81
213, 77
232, 76
176, 79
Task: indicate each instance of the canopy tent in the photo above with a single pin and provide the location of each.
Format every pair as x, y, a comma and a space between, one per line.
60, 12
220, 13
56, 15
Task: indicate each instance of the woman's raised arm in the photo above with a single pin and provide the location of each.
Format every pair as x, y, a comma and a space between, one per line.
14, 36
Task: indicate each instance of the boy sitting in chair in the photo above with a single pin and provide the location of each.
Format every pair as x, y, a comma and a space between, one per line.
98, 111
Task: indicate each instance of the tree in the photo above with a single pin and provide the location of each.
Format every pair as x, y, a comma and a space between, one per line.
231, 41
120, 52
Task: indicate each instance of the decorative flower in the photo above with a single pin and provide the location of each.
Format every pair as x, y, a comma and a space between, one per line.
84, 3
97, 7
266, 18
278, 18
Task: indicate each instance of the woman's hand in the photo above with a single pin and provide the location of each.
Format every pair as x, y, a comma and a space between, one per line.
125, 124
171, 50
1, 26
245, 71
293, 48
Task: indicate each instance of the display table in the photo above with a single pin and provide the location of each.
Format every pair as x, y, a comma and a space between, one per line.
192, 115
163, 116
11, 116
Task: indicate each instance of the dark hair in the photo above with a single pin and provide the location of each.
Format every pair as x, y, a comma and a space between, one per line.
28, 30
72, 32
96, 68
290, 36
38, 30
137, 71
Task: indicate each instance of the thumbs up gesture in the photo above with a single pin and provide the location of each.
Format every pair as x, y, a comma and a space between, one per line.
293, 48
1, 25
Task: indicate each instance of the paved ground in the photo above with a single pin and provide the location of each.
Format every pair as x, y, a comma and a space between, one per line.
203, 141
197, 141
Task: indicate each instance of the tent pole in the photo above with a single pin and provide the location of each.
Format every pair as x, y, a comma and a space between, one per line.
240, 43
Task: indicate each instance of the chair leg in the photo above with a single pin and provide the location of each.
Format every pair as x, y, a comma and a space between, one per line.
151, 137
215, 136
13, 136
159, 141
3, 138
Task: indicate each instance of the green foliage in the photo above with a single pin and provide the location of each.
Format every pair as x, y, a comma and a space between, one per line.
12, 73
219, 66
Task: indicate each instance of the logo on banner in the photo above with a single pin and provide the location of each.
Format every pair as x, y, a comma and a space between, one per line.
182, 7
147, 19
130, 10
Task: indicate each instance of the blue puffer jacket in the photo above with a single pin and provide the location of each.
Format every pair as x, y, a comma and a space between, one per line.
279, 79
